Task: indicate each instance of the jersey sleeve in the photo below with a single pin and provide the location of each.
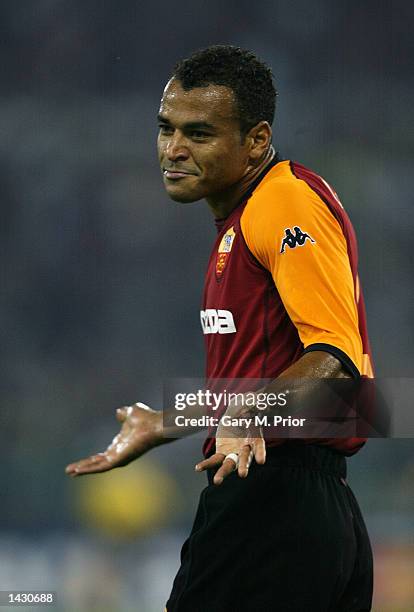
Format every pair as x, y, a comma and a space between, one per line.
293, 234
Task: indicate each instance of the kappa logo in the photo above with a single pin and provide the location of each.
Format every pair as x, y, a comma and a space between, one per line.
293, 240
217, 321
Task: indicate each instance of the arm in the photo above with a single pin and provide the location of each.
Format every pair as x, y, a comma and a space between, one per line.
141, 430
306, 374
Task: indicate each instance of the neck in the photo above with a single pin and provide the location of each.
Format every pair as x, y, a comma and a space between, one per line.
223, 203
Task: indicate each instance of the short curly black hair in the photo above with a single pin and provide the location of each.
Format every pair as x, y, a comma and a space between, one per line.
249, 78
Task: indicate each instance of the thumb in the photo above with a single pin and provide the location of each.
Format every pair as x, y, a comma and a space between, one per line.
121, 414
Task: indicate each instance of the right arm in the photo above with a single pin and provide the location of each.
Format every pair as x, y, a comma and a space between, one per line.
142, 429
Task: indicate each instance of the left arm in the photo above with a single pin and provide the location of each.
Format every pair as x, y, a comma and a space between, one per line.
306, 375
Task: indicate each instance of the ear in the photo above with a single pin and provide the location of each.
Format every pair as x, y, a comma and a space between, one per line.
260, 138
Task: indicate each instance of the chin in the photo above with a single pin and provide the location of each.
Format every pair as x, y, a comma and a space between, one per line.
184, 198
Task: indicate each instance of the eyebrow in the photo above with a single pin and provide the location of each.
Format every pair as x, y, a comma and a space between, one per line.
192, 125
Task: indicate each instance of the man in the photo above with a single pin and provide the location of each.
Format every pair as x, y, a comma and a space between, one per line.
281, 301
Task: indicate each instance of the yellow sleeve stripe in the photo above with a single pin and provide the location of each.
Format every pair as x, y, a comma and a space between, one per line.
312, 275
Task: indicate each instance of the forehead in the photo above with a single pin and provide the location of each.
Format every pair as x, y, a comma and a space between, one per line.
212, 104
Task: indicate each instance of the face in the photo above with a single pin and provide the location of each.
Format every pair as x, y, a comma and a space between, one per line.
200, 149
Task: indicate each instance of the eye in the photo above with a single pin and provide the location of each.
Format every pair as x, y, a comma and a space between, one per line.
199, 135
165, 129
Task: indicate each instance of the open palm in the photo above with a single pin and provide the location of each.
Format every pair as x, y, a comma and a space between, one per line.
141, 430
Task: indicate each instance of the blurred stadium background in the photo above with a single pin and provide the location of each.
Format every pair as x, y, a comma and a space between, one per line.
102, 274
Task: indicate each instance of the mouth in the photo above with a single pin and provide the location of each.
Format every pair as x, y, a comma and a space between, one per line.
174, 175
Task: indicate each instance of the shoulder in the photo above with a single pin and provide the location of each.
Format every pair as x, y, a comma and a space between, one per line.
283, 199
283, 204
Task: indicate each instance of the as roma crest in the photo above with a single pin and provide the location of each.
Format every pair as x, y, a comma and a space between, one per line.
224, 250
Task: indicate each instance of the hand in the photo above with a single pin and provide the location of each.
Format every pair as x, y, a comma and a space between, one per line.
141, 430
246, 443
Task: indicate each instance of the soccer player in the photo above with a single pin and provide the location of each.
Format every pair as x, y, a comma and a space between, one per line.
278, 527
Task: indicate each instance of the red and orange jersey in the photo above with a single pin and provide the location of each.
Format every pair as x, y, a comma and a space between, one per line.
282, 280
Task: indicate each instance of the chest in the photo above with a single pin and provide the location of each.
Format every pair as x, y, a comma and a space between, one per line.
235, 281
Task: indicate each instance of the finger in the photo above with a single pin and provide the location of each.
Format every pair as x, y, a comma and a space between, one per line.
211, 462
245, 458
90, 469
260, 451
144, 406
121, 414
73, 466
226, 469
95, 463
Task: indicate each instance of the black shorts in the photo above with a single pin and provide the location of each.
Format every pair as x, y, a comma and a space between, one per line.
288, 538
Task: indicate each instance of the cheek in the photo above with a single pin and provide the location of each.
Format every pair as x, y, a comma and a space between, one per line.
221, 162
228, 169
160, 149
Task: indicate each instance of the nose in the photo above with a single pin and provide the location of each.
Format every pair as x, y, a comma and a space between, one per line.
176, 149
